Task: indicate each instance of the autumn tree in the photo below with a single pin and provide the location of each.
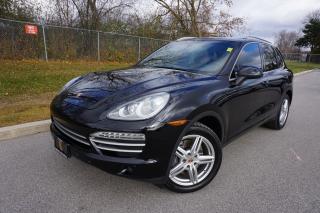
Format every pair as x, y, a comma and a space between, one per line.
148, 25
285, 41
199, 17
18, 9
89, 14
92, 12
63, 13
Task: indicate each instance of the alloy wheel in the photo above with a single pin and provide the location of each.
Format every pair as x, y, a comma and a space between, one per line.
194, 160
284, 112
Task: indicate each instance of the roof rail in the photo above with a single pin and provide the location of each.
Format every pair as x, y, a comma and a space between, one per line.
185, 38
259, 39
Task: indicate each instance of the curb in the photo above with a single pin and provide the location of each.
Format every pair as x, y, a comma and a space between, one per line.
304, 72
15, 131
20, 130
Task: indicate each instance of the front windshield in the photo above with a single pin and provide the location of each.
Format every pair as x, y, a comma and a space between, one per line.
202, 56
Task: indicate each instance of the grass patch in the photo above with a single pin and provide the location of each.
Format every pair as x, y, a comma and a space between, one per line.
28, 86
20, 114
30, 77
301, 66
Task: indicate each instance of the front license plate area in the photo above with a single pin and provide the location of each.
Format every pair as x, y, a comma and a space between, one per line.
62, 147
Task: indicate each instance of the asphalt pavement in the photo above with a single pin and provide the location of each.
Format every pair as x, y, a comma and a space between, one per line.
262, 171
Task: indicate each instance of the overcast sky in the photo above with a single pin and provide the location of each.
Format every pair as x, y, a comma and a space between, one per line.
264, 18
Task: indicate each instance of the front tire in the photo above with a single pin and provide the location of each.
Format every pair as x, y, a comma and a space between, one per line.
197, 160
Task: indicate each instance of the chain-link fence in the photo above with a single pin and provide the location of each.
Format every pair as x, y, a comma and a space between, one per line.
23, 40
302, 57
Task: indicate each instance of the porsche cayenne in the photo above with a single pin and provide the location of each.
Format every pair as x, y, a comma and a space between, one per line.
166, 119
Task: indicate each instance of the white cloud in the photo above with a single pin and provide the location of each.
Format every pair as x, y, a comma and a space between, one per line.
267, 17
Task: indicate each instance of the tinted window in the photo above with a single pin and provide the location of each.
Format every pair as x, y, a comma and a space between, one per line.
249, 56
280, 61
270, 58
193, 56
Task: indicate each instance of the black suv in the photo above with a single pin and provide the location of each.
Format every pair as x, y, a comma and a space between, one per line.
167, 118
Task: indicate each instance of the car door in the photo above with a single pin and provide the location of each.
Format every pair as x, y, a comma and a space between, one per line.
274, 77
245, 104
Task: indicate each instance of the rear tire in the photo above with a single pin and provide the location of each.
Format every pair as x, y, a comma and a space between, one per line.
280, 120
197, 160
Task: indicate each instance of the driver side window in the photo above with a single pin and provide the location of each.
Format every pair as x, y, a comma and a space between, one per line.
248, 57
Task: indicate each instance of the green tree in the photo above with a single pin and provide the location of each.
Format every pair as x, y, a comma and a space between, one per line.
311, 31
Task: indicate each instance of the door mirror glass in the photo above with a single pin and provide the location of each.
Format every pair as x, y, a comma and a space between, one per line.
249, 72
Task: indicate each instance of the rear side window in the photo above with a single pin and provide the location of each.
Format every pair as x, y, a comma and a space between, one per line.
248, 57
271, 60
279, 57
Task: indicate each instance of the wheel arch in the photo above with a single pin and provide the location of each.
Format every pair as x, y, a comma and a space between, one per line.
212, 117
213, 123
289, 93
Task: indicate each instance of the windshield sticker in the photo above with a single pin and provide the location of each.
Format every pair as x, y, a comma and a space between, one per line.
229, 49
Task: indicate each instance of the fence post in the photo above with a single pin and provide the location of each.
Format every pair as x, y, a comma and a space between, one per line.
139, 50
45, 43
309, 57
13, 43
98, 49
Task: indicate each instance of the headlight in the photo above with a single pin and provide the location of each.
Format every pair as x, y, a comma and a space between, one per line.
72, 81
142, 108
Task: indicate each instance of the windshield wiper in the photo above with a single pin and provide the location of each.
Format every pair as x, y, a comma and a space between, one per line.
151, 60
174, 68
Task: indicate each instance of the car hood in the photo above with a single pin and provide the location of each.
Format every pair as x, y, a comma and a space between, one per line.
106, 88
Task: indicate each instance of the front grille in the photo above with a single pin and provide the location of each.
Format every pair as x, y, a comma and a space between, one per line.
109, 143
118, 142
71, 134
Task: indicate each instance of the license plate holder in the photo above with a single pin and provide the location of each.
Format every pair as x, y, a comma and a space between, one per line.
62, 147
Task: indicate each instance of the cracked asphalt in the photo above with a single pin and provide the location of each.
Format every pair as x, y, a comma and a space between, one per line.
262, 171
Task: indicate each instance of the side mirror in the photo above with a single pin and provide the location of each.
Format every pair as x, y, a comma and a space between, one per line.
248, 73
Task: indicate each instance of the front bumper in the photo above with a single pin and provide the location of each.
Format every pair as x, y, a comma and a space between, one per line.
152, 164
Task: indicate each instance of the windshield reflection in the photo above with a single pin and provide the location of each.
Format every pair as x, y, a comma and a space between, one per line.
199, 56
